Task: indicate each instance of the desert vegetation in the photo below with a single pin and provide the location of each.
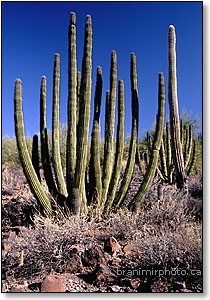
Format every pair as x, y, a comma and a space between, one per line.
84, 214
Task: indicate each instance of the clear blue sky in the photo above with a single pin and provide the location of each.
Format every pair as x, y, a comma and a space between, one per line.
32, 32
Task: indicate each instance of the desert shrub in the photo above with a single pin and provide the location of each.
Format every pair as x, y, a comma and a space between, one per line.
10, 156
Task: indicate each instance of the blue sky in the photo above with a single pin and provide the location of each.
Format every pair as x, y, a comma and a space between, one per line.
32, 32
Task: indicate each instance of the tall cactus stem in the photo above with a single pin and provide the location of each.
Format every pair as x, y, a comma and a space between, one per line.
25, 159
95, 184
150, 173
192, 164
168, 152
189, 147
119, 147
44, 141
134, 135
177, 154
72, 105
35, 156
61, 185
110, 125
78, 93
163, 158
84, 111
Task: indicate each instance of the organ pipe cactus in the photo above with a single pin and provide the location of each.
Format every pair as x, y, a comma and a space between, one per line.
104, 184
25, 159
119, 147
44, 140
110, 124
95, 185
84, 111
150, 173
174, 113
61, 185
134, 135
35, 156
72, 106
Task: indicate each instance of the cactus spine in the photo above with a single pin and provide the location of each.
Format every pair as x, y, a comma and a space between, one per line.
95, 185
174, 113
110, 124
84, 112
119, 147
44, 141
55, 131
72, 106
150, 173
25, 159
35, 156
134, 135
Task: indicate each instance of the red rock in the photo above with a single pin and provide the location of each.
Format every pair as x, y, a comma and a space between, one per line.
112, 246
52, 283
5, 246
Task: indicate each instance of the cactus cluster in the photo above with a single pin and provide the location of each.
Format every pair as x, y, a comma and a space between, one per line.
88, 182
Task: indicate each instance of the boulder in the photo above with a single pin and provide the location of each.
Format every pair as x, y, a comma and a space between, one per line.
53, 284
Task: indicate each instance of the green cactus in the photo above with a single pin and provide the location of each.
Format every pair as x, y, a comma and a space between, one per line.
61, 185
150, 173
72, 106
44, 141
78, 93
163, 159
177, 154
35, 156
109, 130
95, 184
134, 135
25, 159
189, 147
168, 152
193, 160
119, 147
84, 112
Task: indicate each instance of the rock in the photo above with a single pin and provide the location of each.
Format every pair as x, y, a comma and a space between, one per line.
112, 246
104, 274
52, 283
74, 264
5, 246
20, 289
93, 256
115, 288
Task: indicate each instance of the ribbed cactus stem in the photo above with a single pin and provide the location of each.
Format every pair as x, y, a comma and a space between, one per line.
95, 184
193, 159
84, 114
61, 185
189, 147
44, 140
163, 158
134, 134
174, 113
110, 125
25, 159
72, 105
150, 173
168, 152
119, 147
35, 155
78, 93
